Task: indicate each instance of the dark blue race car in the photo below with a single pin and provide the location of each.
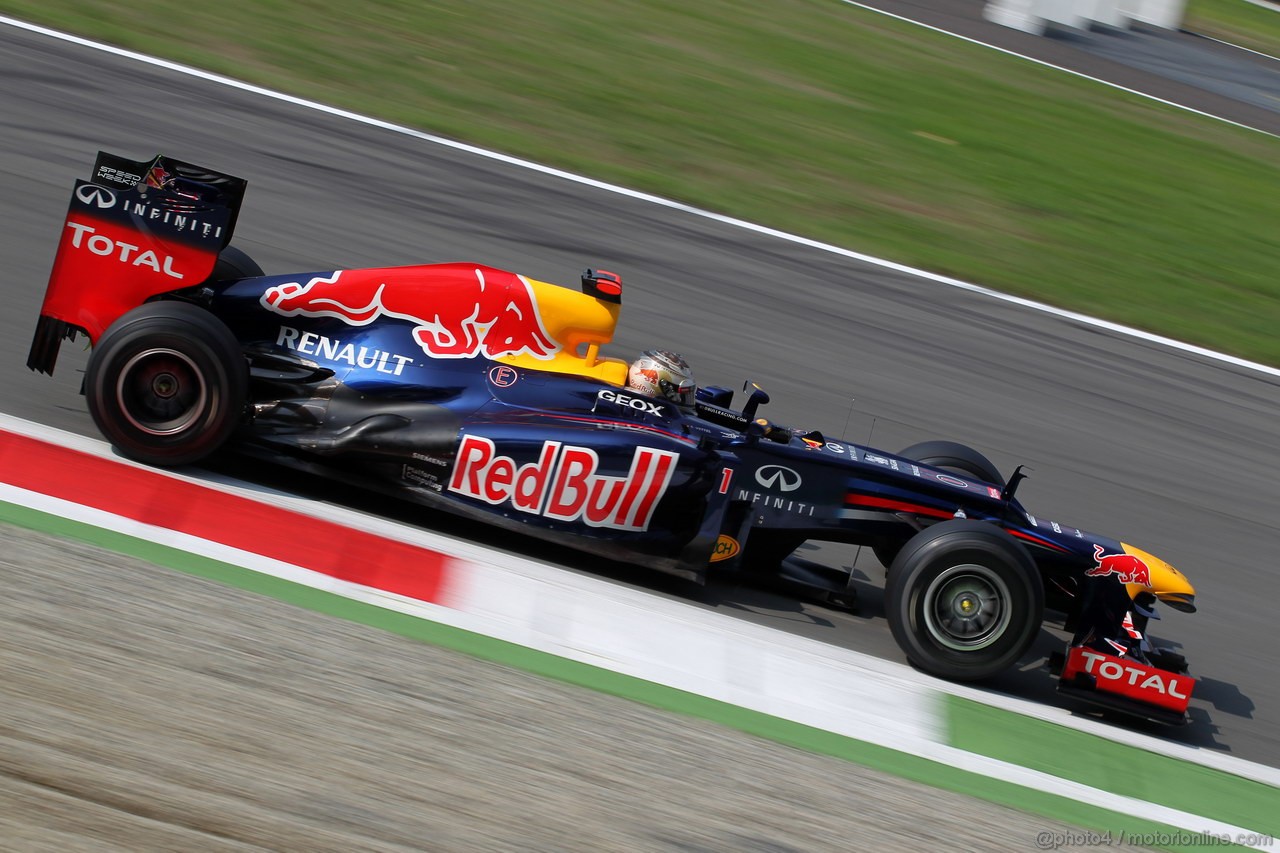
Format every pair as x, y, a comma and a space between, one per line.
482, 392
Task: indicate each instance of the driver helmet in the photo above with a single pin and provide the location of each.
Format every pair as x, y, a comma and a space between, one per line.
663, 374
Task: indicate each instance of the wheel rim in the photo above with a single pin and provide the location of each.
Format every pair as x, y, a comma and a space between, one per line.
161, 391
966, 607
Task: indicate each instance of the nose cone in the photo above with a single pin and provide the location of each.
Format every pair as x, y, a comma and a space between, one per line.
1167, 583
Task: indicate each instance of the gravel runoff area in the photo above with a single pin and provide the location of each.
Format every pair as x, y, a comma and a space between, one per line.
145, 709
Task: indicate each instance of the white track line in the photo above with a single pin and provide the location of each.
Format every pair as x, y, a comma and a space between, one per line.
1274, 7
675, 205
1063, 69
537, 574
1233, 44
870, 702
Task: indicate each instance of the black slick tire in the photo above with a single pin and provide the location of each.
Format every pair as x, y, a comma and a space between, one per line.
949, 455
955, 456
167, 383
964, 600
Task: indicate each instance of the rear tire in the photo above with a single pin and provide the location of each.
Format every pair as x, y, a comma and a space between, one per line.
167, 383
964, 600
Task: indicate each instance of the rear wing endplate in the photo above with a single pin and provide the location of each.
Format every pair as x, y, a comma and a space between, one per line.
136, 230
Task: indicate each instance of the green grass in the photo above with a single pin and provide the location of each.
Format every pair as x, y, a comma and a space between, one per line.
814, 117
1236, 21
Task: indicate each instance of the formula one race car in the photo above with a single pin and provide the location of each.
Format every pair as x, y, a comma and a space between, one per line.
482, 392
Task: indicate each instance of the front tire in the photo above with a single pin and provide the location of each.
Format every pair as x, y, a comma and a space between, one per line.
167, 383
956, 457
948, 455
964, 600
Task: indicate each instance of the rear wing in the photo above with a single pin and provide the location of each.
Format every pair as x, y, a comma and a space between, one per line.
136, 230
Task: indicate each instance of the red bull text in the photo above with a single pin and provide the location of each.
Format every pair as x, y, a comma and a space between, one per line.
459, 310
563, 484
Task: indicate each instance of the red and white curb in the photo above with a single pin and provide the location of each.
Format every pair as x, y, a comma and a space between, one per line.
461, 584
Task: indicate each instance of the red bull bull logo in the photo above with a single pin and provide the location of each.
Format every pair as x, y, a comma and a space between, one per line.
158, 177
459, 310
1126, 567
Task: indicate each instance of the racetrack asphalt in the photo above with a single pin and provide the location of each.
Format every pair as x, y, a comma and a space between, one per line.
1179, 67
1170, 451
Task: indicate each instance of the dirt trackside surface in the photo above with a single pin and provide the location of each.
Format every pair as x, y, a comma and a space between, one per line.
144, 709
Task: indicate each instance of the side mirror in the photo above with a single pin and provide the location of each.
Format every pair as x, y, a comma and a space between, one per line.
756, 397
